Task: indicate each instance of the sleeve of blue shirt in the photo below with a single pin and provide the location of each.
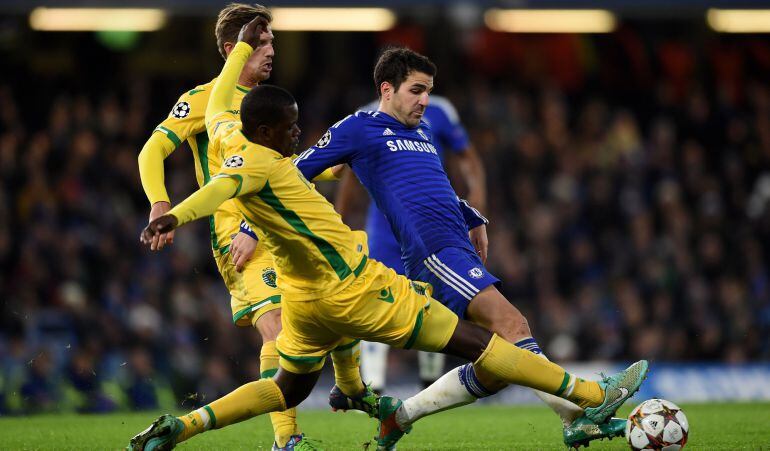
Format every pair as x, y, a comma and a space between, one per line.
472, 216
338, 145
447, 128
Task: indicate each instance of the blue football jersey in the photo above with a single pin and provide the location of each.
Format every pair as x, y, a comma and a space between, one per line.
401, 169
448, 134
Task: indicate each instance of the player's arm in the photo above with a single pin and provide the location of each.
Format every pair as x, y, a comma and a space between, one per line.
348, 190
330, 174
450, 131
202, 203
184, 120
243, 245
472, 172
477, 228
222, 93
337, 147
151, 173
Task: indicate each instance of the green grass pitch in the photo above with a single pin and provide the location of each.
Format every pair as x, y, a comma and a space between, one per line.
712, 426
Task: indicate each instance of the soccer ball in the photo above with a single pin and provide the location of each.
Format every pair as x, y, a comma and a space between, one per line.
657, 424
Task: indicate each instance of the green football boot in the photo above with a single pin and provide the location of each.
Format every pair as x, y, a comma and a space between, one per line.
389, 431
617, 389
160, 436
366, 402
298, 442
583, 430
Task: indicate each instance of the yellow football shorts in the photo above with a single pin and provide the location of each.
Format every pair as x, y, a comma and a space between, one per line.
254, 291
379, 305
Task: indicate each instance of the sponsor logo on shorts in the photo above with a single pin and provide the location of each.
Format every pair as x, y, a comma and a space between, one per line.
270, 277
476, 273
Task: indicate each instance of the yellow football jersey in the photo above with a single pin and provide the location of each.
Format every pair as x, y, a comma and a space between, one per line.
315, 253
187, 122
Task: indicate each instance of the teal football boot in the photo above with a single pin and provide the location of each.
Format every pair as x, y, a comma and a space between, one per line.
389, 431
583, 430
617, 389
160, 436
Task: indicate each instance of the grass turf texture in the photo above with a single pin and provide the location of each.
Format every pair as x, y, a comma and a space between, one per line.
713, 426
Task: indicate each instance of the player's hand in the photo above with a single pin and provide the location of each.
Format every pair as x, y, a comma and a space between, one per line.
158, 226
242, 249
251, 32
158, 241
478, 237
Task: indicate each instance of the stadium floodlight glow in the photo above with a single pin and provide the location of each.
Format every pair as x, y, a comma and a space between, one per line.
739, 20
550, 20
97, 19
332, 19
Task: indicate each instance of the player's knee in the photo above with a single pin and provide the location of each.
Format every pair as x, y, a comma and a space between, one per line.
510, 324
269, 325
468, 341
294, 387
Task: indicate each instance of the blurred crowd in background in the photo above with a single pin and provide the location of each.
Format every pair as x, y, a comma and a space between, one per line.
629, 201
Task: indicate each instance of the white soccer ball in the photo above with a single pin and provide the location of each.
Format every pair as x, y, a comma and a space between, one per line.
657, 424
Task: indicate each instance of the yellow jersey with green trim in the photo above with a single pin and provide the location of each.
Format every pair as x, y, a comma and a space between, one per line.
315, 253
186, 121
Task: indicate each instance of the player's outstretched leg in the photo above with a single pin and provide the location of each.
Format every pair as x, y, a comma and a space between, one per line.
247, 401
496, 364
491, 310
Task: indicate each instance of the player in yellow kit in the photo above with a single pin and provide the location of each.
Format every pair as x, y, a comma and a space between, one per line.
331, 290
246, 267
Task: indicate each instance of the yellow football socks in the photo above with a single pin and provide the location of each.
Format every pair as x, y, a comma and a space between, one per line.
347, 376
246, 401
284, 423
517, 366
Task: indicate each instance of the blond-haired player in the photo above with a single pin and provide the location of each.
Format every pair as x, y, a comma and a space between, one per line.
246, 267
331, 291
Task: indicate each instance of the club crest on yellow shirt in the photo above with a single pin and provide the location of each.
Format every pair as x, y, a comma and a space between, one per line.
269, 277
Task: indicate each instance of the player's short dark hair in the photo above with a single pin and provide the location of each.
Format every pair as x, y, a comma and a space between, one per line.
232, 18
264, 105
396, 63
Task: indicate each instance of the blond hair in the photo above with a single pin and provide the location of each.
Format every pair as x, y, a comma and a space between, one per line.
232, 18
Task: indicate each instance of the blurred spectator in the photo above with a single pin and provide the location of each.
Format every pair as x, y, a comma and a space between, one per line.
628, 212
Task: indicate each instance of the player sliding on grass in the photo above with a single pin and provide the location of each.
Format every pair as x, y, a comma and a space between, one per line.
443, 240
332, 292
247, 268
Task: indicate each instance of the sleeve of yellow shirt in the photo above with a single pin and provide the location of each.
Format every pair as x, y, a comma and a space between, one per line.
221, 97
326, 176
151, 172
206, 200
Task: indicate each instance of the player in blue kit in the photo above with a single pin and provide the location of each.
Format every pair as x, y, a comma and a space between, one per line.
448, 136
443, 240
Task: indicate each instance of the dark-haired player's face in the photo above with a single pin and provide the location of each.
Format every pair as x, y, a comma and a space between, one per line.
260, 64
286, 133
409, 102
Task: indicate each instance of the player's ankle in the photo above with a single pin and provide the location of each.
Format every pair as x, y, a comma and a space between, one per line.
402, 419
